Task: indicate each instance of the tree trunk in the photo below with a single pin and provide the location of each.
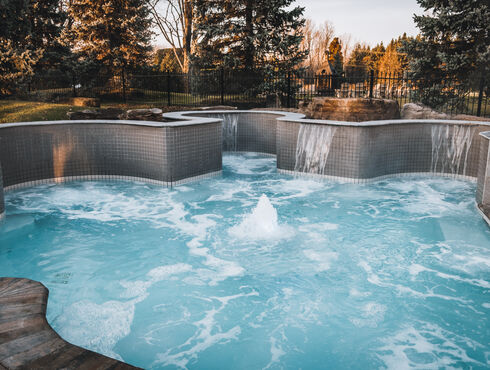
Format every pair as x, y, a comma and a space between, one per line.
249, 33
187, 33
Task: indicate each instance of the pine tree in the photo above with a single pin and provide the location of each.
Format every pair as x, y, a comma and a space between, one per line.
29, 39
335, 56
115, 33
453, 46
248, 34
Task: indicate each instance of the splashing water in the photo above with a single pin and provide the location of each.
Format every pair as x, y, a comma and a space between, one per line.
450, 147
313, 147
261, 223
230, 130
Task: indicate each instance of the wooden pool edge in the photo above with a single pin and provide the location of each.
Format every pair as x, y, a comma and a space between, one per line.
28, 341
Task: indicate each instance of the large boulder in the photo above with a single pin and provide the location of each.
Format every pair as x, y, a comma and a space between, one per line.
420, 111
351, 110
84, 102
92, 114
153, 114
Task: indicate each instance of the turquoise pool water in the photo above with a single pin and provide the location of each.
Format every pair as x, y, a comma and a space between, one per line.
393, 274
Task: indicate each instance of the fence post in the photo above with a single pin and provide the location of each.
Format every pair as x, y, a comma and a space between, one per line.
480, 93
222, 85
168, 89
288, 103
73, 82
123, 86
371, 83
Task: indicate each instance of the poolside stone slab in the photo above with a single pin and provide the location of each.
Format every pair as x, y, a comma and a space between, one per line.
28, 341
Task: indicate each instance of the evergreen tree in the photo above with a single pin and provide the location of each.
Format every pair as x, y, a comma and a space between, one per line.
115, 33
335, 56
29, 39
453, 46
248, 34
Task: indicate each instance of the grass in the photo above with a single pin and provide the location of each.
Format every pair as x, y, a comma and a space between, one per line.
27, 111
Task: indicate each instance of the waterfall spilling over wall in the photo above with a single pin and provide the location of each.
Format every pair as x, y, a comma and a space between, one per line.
230, 130
313, 147
450, 148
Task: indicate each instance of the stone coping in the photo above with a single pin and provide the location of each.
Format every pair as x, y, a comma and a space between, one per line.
27, 341
195, 117
189, 118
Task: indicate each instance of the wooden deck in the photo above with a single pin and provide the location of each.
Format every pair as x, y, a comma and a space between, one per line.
27, 341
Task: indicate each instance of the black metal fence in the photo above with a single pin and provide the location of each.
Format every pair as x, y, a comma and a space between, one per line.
245, 89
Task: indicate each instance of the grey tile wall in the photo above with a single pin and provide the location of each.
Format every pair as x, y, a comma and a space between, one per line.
256, 131
194, 150
483, 181
32, 153
2, 202
366, 152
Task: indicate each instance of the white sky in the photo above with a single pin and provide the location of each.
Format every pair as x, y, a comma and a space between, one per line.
369, 21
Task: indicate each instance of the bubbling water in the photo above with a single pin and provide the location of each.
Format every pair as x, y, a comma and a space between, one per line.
262, 223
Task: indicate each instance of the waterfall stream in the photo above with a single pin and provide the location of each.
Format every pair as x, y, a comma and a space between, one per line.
230, 130
450, 147
313, 147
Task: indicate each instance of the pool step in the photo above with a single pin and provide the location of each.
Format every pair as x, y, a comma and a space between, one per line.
28, 341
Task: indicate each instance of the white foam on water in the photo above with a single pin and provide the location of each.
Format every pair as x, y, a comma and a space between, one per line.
96, 326
324, 259
353, 292
208, 333
253, 165
486, 305
415, 269
429, 347
372, 313
261, 224
296, 187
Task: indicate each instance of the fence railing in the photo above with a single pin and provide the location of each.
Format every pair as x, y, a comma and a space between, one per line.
245, 89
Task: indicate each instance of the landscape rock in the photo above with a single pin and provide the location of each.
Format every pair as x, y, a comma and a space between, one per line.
419, 111
85, 102
153, 114
351, 109
92, 114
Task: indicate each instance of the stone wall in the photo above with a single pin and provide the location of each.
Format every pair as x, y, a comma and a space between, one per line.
352, 110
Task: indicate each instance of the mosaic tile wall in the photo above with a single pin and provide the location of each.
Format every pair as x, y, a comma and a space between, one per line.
2, 203
483, 182
365, 152
57, 152
194, 150
256, 131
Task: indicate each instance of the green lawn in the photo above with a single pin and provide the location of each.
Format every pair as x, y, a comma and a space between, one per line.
26, 111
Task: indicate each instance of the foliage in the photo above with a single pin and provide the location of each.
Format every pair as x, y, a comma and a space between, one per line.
115, 33
248, 33
29, 39
453, 46
335, 56
164, 60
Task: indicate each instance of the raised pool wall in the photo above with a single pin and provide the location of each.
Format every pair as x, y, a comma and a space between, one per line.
191, 145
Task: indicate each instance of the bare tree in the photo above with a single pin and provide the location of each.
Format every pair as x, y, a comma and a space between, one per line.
346, 42
174, 20
316, 40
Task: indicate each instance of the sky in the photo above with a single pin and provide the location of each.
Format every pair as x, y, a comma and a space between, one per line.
369, 21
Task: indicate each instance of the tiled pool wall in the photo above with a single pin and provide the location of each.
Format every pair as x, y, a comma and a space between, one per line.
364, 152
256, 131
34, 153
483, 181
190, 147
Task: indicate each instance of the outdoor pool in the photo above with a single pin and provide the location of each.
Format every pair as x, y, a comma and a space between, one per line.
257, 269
